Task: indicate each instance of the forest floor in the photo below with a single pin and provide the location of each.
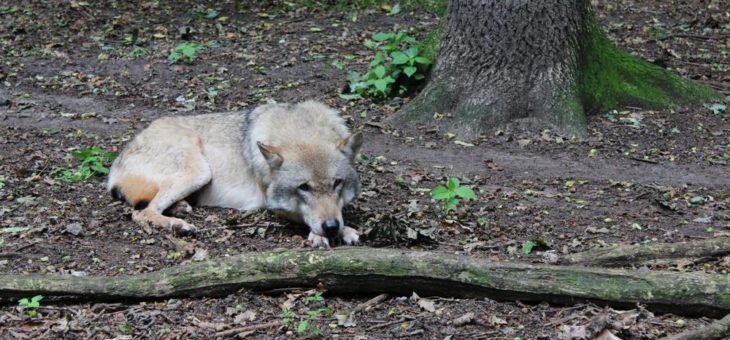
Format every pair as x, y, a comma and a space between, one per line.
69, 80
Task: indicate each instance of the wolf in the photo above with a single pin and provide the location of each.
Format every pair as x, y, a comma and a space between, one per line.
296, 159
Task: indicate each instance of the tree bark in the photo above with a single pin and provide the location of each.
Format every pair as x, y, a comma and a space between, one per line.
622, 255
374, 271
501, 60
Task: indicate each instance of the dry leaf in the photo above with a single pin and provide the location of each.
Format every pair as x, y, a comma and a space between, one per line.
244, 317
427, 305
572, 332
464, 319
607, 335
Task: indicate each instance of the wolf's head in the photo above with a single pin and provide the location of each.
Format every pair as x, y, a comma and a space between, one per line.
312, 182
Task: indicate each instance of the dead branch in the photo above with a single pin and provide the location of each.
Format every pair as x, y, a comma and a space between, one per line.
623, 255
719, 329
234, 331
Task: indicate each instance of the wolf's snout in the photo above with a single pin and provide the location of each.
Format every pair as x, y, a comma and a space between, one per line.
331, 227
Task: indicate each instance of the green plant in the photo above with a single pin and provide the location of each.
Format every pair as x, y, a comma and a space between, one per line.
286, 316
199, 13
162, 332
2, 182
92, 160
186, 52
317, 312
718, 108
13, 230
534, 244
137, 52
451, 193
317, 297
527, 247
394, 68
408, 60
316, 332
303, 326
394, 10
125, 328
212, 93
173, 255
30, 306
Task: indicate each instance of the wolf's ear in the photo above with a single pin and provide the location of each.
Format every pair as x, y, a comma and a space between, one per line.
272, 155
350, 145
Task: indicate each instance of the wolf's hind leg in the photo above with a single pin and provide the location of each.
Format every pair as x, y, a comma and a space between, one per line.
149, 217
175, 188
179, 209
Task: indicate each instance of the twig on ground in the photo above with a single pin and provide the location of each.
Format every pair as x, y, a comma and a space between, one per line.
238, 330
369, 303
719, 329
651, 161
376, 125
386, 324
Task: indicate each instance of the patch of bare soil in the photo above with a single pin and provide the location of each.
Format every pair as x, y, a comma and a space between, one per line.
72, 80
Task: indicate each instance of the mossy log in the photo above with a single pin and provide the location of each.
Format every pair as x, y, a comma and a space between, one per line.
363, 270
622, 255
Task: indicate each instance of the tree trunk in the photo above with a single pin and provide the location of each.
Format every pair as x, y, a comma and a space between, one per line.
501, 60
368, 271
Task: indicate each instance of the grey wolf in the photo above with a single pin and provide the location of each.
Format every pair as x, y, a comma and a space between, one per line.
294, 159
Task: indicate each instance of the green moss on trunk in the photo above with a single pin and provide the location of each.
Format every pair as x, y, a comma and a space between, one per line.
429, 46
434, 98
611, 78
571, 115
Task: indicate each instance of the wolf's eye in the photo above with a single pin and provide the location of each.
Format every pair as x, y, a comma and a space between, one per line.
304, 187
337, 183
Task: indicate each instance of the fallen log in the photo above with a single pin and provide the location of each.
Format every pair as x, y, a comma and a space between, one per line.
622, 255
373, 271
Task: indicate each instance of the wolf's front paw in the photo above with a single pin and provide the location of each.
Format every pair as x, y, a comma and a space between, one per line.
182, 228
350, 236
317, 241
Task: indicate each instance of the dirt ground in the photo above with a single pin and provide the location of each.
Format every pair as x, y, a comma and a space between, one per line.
68, 81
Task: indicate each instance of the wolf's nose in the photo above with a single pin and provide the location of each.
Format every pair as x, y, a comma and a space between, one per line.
331, 226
